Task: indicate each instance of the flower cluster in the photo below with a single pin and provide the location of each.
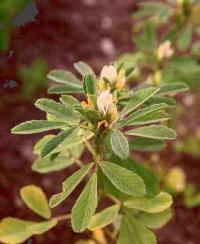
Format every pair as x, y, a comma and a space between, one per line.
109, 81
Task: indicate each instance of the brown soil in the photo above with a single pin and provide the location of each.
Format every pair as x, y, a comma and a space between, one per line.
64, 32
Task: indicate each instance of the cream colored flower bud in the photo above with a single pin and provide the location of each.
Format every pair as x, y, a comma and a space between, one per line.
106, 106
104, 101
109, 72
165, 50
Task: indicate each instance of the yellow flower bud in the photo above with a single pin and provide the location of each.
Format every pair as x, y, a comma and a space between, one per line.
121, 79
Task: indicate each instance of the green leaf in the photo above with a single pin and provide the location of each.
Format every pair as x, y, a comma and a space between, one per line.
154, 132
155, 220
42, 227
64, 77
14, 231
109, 189
123, 179
36, 126
184, 38
119, 144
133, 232
156, 100
156, 204
34, 197
65, 89
40, 144
139, 97
146, 144
172, 88
59, 110
83, 68
69, 100
52, 146
150, 179
46, 165
69, 185
153, 8
85, 206
104, 218
90, 85
147, 115
154, 117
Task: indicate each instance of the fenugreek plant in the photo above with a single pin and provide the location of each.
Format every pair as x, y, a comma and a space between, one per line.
109, 117
166, 42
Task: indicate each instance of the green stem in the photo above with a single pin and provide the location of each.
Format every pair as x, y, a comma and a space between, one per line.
89, 147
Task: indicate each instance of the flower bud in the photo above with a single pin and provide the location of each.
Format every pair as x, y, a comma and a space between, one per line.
104, 101
106, 106
165, 50
121, 79
109, 72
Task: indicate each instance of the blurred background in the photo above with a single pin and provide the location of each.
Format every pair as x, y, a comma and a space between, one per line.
37, 36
